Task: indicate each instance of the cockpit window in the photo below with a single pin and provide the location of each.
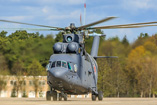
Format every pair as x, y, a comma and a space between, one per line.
53, 64
58, 64
69, 66
64, 64
48, 66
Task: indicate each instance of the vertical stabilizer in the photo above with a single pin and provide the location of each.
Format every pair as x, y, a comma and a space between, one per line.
95, 46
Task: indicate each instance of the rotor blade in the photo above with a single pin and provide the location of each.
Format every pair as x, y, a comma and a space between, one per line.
29, 29
115, 27
97, 22
126, 25
106, 57
58, 28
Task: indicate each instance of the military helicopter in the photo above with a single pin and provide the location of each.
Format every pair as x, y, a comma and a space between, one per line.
71, 70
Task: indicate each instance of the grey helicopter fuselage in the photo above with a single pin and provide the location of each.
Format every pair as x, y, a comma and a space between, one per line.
71, 69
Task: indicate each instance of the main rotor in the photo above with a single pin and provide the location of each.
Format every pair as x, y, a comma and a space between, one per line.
72, 28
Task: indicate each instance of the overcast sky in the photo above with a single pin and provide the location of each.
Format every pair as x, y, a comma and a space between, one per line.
62, 12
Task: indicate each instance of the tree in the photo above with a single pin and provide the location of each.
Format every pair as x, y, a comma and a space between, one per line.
3, 65
59, 37
125, 41
3, 34
3, 83
35, 69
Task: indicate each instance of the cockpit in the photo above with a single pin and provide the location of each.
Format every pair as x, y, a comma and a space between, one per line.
72, 67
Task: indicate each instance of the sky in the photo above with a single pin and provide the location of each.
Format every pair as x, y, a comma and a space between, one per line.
60, 13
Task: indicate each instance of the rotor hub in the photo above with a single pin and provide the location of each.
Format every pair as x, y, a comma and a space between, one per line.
72, 26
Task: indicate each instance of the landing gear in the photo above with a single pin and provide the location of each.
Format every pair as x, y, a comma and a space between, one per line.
60, 97
93, 97
53, 94
48, 96
65, 97
100, 95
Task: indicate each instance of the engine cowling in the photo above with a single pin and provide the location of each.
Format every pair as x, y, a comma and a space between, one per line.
57, 48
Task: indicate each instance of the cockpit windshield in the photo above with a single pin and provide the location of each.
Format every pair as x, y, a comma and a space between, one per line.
71, 66
58, 64
64, 64
53, 64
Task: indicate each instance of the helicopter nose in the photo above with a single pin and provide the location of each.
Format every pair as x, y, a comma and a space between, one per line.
58, 73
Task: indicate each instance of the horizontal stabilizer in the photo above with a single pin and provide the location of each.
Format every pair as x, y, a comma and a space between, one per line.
96, 34
106, 57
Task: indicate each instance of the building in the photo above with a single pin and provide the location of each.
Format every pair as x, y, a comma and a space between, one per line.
26, 86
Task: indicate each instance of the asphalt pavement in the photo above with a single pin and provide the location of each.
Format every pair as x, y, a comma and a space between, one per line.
79, 101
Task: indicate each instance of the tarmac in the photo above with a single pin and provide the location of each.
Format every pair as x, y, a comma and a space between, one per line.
79, 101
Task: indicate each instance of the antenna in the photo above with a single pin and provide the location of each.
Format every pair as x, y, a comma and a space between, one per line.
85, 12
81, 19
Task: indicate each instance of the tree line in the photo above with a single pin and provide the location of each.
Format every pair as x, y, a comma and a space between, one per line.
132, 74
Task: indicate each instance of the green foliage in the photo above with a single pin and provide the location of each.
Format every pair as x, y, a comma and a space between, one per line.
3, 34
59, 37
125, 41
35, 69
19, 49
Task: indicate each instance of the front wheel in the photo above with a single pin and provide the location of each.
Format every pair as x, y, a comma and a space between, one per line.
54, 96
48, 96
93, 97
65, 97
100, 95
60, 97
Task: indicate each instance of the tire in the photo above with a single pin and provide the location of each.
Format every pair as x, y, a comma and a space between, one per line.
100, 95
93, 97
48, 96
54, 96
60, 97
65, 97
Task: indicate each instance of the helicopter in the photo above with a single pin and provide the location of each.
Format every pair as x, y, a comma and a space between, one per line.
71, 70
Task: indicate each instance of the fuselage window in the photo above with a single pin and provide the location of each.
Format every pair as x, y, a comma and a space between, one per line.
53, 64
58, 64
64, 64
75, 68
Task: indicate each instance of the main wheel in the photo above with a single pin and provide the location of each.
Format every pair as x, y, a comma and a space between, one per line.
100, 95
54, 96
48, 96
93, 97
60, 97
65, 97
